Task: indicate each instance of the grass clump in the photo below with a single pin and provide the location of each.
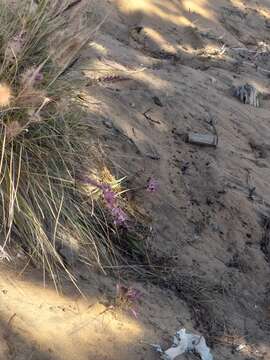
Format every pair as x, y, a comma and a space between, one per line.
45, 149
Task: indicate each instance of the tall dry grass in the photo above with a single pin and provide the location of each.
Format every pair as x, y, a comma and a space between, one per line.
45, 145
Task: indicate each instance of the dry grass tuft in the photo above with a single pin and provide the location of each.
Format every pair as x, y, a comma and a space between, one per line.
44, 146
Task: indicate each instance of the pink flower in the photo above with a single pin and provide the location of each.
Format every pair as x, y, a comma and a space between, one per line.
152, 185
120, 217
109, 196
128, 297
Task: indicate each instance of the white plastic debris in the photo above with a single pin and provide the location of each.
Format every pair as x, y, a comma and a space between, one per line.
184, 342
241, 347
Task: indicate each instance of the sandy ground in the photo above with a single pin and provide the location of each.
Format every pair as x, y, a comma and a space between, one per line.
166, 58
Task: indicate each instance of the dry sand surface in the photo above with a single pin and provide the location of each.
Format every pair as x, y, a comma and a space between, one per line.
156, 70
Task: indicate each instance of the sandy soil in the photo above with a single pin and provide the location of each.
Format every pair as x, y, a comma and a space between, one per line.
166, 57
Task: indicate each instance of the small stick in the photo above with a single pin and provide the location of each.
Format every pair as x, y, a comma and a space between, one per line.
211, 122
11, 318
145, 114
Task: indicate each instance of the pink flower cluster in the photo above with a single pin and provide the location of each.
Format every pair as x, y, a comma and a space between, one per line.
128, 296
119, 216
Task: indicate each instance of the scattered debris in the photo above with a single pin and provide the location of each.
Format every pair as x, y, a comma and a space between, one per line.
137, 34
247, 94
107, 79
136, 29
240, 347
148, 117
184, 342
265, 241
251, 187
203, 139
157, 101
153, 156
260, 149
212, 36
184, 167
212, 123
251, 192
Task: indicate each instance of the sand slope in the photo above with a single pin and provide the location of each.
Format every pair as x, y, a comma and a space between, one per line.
167, 58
